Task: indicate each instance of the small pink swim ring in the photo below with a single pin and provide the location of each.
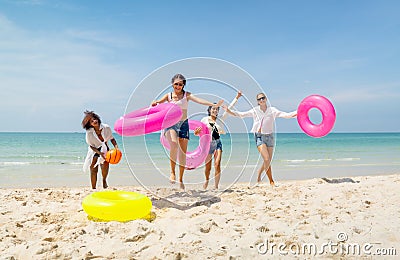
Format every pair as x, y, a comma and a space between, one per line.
196, 157
328, 115
148, 120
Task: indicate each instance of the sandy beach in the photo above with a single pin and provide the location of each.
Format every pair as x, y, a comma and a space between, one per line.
344, 217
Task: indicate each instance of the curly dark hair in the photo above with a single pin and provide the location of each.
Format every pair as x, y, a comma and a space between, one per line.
86, 120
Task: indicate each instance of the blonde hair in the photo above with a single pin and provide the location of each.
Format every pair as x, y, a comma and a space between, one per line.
261, 93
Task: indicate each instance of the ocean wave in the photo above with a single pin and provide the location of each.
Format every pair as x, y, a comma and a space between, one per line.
76, 163
305, 160
309, 165
16, 157
347, 159
40, 163
321, 160
14, 163
295, 161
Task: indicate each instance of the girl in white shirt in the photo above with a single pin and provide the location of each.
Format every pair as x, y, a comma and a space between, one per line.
213, 123
215, 147
97, 136
263, 129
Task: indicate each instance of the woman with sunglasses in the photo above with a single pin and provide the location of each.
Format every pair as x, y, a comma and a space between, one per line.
263, 129
178, 134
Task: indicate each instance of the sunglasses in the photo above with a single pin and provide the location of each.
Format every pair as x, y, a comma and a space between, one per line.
261, 98
178, 84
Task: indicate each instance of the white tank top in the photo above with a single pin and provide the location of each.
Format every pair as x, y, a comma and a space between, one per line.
182, 103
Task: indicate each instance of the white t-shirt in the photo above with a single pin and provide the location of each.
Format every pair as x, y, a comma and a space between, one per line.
205, 120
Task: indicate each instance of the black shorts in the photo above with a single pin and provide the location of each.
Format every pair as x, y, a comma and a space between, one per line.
96, 155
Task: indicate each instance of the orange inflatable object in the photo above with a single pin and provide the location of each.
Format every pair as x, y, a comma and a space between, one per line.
113, 156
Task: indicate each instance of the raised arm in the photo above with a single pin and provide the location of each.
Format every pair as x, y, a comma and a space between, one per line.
234, 101
161, 100
203, 101
249, 113
228, 111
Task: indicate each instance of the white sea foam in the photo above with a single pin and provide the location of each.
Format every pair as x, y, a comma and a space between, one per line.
319, 160
14, 163
306, 160
295, 161
308, 165
347, 159
77, 163
242, 166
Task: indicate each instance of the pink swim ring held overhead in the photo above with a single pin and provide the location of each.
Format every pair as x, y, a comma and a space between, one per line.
328, 115
148, 120
196, 157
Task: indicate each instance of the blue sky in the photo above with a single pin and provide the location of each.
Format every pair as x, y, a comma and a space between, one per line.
58, 58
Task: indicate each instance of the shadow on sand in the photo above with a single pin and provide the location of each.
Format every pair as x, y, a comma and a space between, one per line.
341, 180
184, 200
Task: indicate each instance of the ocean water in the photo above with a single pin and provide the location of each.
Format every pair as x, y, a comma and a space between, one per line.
55, 159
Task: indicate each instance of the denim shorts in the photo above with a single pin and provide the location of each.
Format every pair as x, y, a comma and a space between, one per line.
267, 139
181, 128
215, 145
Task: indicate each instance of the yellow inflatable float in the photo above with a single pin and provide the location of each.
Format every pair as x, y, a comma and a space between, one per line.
117, 205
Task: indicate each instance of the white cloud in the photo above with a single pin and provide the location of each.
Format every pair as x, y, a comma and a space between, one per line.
55, 71
98, 37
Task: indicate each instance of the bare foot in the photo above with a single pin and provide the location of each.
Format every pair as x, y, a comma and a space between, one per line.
272, 184
182, 186
105, 185
172, 178
205, 184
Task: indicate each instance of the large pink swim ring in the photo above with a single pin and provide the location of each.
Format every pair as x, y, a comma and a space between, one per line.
148, 120
196, 157
328, 115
